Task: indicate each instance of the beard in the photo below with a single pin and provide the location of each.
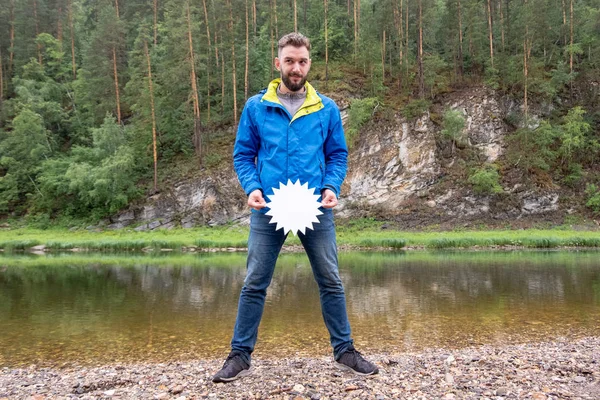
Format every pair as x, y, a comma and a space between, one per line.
294, 87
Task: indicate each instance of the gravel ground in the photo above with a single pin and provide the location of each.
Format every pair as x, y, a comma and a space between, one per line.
561, 369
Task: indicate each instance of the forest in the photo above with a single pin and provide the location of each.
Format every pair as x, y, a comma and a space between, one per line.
99, 98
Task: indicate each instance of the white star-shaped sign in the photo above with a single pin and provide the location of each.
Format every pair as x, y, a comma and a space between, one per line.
294, 207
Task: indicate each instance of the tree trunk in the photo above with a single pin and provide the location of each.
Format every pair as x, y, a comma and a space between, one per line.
460, 42
216, 39
571, 49
222, 84
276, 23
406, 38
355, 32
116, 78
59, 27
420, 56
525, 77
358, 17
295, 17
151, 91
525, 67
502, 25
155, 9
1, 78
117, 8
11, 54
508, 18
401, 44
247, 56
73, 63
254, 15
209, 52
383, 58
233, 76
197, 137
564, 24
272, 41
326, 46
390, 60
37, 31
491, 34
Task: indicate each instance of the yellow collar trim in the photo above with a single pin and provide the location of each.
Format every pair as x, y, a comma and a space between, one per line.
311, 104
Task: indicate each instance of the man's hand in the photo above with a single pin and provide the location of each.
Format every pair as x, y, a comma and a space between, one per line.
256, 201
328, 199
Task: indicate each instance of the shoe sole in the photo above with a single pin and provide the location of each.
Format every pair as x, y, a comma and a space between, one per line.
243, 373
344, 367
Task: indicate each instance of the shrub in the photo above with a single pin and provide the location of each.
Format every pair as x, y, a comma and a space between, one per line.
593, 198
532, 150
361, 111
416, 108
453, 125
574, 174
485, 180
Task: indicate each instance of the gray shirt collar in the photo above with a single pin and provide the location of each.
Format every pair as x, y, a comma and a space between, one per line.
291, 101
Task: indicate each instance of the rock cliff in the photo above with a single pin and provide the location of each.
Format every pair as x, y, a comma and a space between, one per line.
398, 171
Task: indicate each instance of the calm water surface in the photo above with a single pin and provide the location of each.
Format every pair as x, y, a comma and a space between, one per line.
96, 309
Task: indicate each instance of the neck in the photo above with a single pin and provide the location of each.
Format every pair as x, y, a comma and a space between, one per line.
284, 89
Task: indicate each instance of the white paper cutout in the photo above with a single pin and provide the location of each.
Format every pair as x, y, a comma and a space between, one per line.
294, 207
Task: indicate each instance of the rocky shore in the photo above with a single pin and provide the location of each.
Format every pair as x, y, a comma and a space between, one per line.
561, 369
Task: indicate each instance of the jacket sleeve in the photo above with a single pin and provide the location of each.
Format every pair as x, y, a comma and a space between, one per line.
245, 151
336, 153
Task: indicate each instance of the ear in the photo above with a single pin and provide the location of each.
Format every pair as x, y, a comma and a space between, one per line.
277, 64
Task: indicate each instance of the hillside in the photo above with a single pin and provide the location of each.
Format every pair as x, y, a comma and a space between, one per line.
408, 172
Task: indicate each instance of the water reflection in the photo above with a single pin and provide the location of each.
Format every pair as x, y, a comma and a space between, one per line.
99, 309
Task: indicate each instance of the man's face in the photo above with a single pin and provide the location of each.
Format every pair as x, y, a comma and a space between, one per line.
293, 63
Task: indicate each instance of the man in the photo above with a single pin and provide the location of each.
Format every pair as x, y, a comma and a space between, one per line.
289, 131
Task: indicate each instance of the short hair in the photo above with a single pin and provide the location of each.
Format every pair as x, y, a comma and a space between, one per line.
295, 39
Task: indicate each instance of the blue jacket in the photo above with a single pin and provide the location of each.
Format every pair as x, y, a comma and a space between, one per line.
273, 146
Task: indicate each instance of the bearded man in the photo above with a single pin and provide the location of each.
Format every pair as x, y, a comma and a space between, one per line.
291, 132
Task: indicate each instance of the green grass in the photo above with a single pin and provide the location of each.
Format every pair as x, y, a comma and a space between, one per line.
370, 262
361, 234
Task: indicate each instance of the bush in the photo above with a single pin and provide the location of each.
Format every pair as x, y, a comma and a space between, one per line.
454, 123
593, 198
574, 174
532, 150
361, 111
486, 180
416, 108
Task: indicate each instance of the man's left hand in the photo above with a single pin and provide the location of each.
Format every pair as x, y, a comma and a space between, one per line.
328, 199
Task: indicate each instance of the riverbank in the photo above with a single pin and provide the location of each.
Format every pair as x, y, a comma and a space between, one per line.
234, 238
561, 369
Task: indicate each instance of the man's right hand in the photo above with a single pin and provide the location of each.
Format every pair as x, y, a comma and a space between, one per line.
256, 200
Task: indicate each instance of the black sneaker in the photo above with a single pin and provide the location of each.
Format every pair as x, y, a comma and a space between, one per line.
353, 361
235, 367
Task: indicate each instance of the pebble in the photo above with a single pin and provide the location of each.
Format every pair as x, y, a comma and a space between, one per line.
538, 371
298, 389
449, 379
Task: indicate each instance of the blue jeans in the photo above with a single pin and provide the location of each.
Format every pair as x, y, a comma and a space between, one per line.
264, 245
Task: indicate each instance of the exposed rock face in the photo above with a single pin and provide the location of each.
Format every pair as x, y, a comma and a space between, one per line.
395, 168
210, 201
392, 165
484, 125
